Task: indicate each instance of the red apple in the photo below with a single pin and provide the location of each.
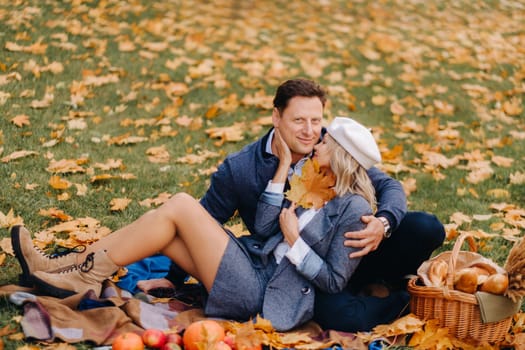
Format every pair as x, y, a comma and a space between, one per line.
154, 338
128, 341
174, 338
229, 339
171, 346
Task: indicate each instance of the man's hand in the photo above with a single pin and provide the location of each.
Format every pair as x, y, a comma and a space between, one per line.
368, 239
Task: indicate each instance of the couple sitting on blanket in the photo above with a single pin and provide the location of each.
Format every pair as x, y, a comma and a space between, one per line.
297, 264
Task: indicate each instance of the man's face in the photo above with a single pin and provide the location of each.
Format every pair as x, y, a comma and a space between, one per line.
300, 124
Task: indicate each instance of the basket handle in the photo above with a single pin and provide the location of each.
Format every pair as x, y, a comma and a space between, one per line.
453, 257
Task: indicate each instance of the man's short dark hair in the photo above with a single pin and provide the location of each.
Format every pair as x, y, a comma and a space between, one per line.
297, 87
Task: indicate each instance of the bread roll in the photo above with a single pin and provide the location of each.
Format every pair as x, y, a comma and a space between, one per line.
495, 284
489, 269
483, 274
437, 273
466, 280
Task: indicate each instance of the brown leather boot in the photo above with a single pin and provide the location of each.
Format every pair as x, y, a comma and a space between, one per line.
79, 279
33, 259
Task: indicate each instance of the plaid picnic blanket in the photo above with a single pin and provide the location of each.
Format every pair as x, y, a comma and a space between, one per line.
90, 318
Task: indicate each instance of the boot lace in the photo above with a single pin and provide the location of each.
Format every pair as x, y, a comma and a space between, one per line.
61, 251
88, 263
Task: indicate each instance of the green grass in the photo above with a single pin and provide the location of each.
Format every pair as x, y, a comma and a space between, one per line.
441, 50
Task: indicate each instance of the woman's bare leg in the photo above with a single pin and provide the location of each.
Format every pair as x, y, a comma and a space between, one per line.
180, 229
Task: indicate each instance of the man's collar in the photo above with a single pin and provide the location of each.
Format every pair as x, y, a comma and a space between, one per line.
268, 148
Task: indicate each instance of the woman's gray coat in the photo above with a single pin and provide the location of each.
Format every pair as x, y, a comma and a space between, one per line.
289, 296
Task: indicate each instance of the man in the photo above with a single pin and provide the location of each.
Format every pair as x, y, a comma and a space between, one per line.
393, 244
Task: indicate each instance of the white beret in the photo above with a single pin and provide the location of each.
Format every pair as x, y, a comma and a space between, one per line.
356, 140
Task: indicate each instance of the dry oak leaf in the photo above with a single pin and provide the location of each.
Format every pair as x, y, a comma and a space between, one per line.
405, 325
498, 193
4, 96
502, 161
479, 175
58, 183
409, 185
160, 199
313, 188
517, 178
438, 160
397, 108
184, 121
81, 189
55, 213
21, 120
126, 139
5, 244
513, 106
7, 78
36, 48
259, 99
460, 218
110, 164
379, 100
228, 133
119, 204
197, 158
10, 219
80, 231
102, 177
17, 155
264, 121
393, 154
158, 154
66, 166
44, 102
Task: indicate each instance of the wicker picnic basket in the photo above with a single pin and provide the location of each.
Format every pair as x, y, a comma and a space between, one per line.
455, 310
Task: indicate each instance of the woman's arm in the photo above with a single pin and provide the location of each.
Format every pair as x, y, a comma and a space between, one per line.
328, 266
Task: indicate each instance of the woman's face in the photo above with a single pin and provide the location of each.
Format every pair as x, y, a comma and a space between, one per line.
322, 152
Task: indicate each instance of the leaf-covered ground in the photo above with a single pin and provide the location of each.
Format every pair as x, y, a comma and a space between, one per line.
109, 107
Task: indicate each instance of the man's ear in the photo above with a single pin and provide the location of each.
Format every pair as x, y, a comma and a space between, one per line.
276, 117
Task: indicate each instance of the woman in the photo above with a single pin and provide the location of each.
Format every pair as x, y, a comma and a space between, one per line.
273, 273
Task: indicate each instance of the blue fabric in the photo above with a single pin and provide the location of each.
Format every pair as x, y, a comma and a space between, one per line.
156, 266
418, 235
351, 313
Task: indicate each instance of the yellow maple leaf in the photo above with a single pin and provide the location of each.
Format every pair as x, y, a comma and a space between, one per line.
405, 325
58, 183
55, 213
431, 336
313, 188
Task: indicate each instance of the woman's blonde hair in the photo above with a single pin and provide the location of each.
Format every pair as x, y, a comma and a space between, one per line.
351, 176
